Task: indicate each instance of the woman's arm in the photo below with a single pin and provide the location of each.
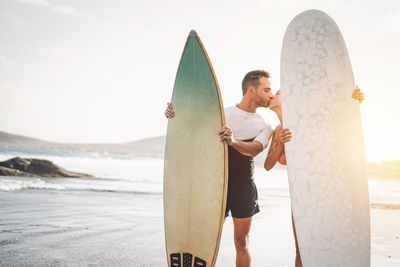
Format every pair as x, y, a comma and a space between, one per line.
284, 136
273, 154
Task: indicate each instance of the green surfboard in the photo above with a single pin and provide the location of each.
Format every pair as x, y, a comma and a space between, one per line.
196, 163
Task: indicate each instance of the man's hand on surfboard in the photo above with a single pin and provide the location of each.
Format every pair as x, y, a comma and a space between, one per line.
358, 95
284, 136
226, 134
169, 112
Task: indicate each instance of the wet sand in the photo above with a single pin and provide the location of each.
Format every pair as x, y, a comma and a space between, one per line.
84, 228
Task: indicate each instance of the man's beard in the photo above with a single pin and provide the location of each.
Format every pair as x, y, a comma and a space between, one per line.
262, 103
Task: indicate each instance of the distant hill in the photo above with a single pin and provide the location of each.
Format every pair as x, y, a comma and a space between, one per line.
387, 169
11, 139
152, 147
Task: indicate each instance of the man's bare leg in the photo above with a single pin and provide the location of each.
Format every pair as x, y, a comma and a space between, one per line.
241, 236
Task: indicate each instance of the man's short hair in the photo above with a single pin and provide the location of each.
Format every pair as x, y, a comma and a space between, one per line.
253, 78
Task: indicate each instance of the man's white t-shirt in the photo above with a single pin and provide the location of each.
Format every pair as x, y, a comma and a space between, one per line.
247, 125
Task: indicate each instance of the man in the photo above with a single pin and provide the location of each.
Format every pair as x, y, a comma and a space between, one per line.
247, 134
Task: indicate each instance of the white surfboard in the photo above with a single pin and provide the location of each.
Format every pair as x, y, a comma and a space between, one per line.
326, 159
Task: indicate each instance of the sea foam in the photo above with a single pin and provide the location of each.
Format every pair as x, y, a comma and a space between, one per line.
19, 184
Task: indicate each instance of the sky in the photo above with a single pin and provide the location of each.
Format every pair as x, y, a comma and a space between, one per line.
98, 71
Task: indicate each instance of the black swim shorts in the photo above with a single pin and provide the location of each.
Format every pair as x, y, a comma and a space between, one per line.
242, 201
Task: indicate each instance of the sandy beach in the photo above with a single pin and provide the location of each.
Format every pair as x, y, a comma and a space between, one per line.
119, 222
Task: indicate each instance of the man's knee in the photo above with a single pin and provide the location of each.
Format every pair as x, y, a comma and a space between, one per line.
242, 242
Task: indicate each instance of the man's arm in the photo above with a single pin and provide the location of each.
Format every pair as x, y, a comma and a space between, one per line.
245, 148
248, 148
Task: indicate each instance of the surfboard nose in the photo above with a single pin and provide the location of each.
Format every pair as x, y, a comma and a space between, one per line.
193, 33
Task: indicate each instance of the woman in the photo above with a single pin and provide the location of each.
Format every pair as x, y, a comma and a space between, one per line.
276, 152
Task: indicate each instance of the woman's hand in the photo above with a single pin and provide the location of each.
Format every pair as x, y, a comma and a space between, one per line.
358, 95
284, 136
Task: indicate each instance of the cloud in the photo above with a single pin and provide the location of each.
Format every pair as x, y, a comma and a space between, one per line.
343, 5
285, 3
62, 9
393, 20
67, 10
6, 64
15, 20
35, 2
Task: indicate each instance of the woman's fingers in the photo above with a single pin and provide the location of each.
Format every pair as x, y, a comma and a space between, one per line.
285, 132
285, 136
357, 95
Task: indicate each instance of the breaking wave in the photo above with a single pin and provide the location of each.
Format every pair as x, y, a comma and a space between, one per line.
15, 184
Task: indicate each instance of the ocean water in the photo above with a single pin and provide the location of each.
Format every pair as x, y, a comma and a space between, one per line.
143, 175
138, 175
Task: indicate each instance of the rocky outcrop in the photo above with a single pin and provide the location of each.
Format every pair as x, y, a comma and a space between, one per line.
11, 172
35, 168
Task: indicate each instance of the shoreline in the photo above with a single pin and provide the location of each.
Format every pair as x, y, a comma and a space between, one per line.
107, 228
